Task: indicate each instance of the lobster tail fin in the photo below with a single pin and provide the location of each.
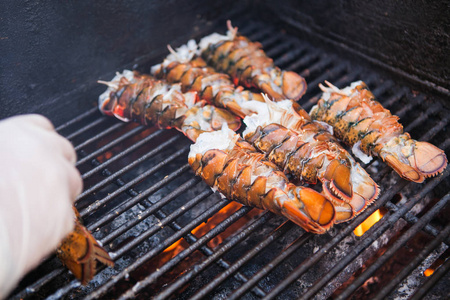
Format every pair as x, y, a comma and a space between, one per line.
337, 182
350, 188
428, 159
413, 160
311, 210
79, 252
403, 169
294, 86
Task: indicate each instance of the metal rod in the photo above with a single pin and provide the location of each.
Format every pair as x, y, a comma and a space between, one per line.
317, 66
142, 176
377, 230
393, 249
87, 127
191, 239
328, 74
218, 253
183, 254
147, 212
96, 137
136, 199
156, 227
279, 49
237, 294
382, 88
77, 119
153, 152
281, 230
437, 275
115, 142
172, 239
302, 268
412, 219
303, 61
284, 59
37, 285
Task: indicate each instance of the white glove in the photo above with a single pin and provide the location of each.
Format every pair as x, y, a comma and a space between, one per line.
38, 184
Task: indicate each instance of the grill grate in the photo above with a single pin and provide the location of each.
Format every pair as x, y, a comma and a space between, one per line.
140, 197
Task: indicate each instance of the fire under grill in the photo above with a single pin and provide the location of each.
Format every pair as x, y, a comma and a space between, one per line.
172, 237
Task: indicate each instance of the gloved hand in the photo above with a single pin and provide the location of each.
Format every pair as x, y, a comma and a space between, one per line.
38, 184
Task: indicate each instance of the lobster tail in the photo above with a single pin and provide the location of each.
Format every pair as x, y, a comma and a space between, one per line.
79, 252
248, 65
362, 122
240, 173
141, 98
216, 88
307, 150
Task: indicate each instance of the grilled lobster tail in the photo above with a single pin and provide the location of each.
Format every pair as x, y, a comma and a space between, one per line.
309, 152
240, 173
248, 65
362, 122
79, 252
141, 98
216, 88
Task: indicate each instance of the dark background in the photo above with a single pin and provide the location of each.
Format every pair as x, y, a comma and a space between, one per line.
53, 52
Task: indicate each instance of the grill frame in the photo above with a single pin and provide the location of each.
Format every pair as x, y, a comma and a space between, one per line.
320, 65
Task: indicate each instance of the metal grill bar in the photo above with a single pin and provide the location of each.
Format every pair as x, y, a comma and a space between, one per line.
116, 142
218, 253
377, 230
224, 275
270, 266
87, 127
437, 275
301, 269
410, 218
284, 59
328, 75
99, 136
99, 203
413, 264
205, 215
157, 227
141, 196
302, 61
391, 251
381, 89
182, 255
152, 209
84, 115
191, 239
111, 177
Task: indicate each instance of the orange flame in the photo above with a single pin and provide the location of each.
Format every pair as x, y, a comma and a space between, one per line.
428, 272
444, 256
205, 227
369, 222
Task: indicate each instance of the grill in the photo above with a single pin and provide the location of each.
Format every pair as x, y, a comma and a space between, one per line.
144, 204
